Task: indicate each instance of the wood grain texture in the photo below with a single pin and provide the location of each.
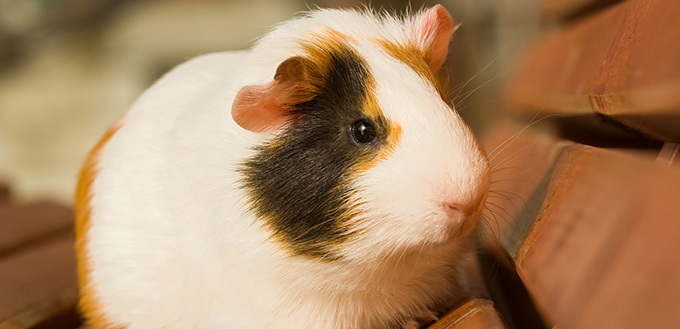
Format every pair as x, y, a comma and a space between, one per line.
600, 253
474, 314
620, 64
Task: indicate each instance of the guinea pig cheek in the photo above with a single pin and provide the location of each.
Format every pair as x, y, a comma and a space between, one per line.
408, 206
391, 216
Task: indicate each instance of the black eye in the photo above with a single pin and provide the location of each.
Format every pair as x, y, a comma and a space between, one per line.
363, 132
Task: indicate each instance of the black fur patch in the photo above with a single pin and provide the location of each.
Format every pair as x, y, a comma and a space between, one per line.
300, 182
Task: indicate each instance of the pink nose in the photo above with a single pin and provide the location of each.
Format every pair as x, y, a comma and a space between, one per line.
453, 210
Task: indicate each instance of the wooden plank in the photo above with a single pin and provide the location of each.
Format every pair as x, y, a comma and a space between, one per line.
522, 158
22, 225
55, 312
563, 9
669, 154
4, 194
560, 69
474, 314
36, 274
641, 286
620, 64
601, 252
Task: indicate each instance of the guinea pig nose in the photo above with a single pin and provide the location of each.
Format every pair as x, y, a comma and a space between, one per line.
453, 210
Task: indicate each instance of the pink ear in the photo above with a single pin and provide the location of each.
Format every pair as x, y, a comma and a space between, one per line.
433, 32
260, 108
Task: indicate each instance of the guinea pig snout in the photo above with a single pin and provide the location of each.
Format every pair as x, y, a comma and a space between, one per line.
457, 210
452, 210
460, 201
460, 217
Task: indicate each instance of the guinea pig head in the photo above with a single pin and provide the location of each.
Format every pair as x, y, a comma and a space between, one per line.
367, 158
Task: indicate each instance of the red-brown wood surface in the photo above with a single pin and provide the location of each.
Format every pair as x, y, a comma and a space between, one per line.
24, 224
669, 155
562, 9
559, 9
621, 62
601, 252
521, 160
474, 314
35, 274
4, 194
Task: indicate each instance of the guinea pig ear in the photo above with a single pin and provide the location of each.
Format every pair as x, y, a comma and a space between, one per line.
433, 32
261, 108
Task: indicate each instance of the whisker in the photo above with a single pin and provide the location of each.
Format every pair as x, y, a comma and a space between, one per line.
461, 87
514, 206
500, 148
496, 222
485, 221
511, 157
517, 180
507, 196
471, 92
507, 220
460, 109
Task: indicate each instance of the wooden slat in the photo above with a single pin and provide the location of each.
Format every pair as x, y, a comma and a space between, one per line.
55, 312
577, 219
601, 251
523, 158
473, 314
669, 154
521, 161
562, 9
25, 224
621, 63
37, 282
4, 194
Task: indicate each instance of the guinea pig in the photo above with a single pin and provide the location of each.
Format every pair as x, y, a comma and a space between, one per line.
319, 180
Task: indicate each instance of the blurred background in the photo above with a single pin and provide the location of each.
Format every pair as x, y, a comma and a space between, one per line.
69, 68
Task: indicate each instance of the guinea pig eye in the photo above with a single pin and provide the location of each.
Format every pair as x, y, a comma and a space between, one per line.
363, 132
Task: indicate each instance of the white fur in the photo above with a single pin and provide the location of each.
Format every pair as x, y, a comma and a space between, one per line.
171, 245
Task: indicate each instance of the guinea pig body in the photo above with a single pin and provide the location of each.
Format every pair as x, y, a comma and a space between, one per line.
318, 180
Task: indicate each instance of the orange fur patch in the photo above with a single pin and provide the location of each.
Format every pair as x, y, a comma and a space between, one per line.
319, 47
417, 60
89, 305
393, 138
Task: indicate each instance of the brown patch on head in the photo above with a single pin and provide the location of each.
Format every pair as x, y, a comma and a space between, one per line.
319, 48
409, 54
89, 305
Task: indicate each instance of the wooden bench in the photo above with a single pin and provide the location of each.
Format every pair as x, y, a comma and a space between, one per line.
586, 217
